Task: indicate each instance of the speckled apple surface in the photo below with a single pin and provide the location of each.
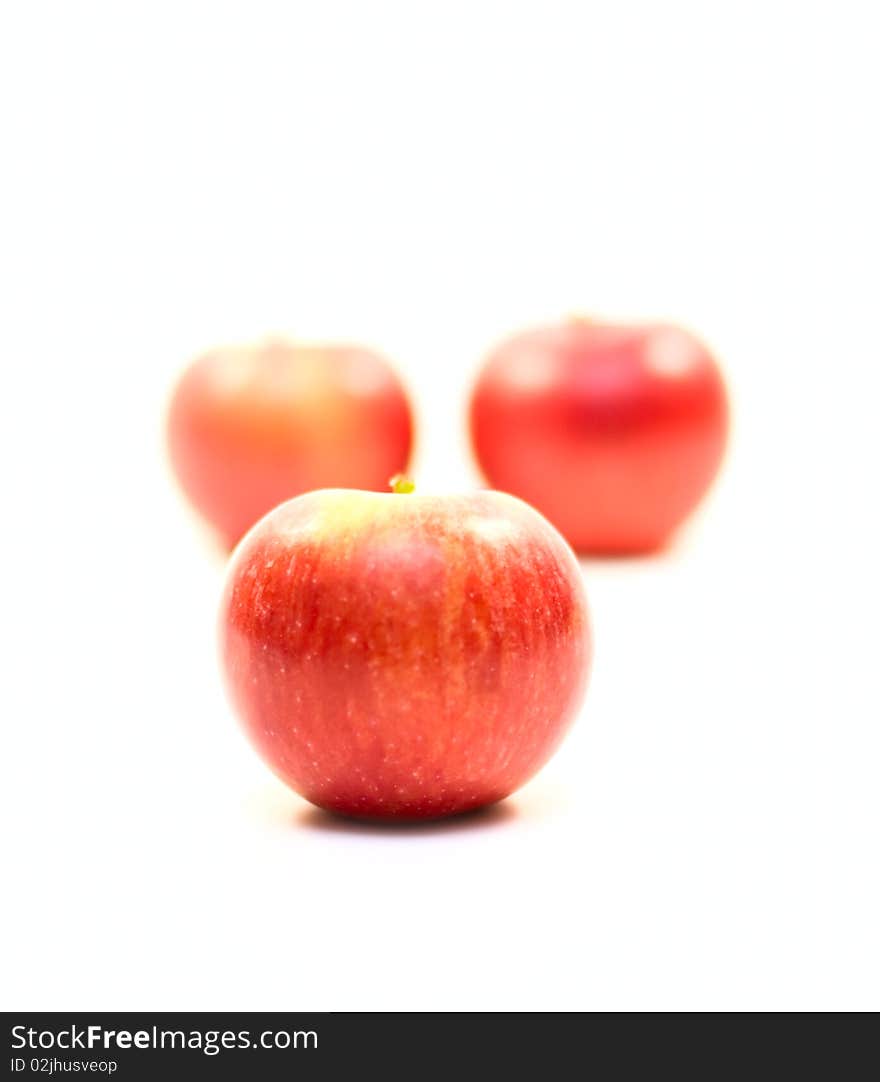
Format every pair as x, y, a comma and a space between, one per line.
405, 656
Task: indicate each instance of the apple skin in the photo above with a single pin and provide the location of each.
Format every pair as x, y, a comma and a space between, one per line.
404, 656
251, 426
613, 432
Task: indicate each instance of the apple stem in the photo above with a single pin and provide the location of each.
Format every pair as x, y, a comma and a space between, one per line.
400, 483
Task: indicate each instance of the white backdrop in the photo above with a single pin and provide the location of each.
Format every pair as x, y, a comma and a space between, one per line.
426, 178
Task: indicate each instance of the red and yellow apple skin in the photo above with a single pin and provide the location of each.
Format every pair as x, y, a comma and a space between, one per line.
613, 432
252, 426
405, 656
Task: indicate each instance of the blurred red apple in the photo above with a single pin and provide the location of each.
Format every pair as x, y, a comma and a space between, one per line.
252, 426
613, 432
405, 656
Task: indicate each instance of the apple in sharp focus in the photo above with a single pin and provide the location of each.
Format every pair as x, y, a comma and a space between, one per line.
614, 432
405, 656
251, 426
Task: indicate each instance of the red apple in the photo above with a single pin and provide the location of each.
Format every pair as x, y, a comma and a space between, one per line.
405, 656
613, 432
252, 426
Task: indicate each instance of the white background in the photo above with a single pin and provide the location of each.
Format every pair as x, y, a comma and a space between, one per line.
426, 178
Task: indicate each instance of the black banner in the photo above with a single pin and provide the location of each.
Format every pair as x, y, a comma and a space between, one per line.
132, 1046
